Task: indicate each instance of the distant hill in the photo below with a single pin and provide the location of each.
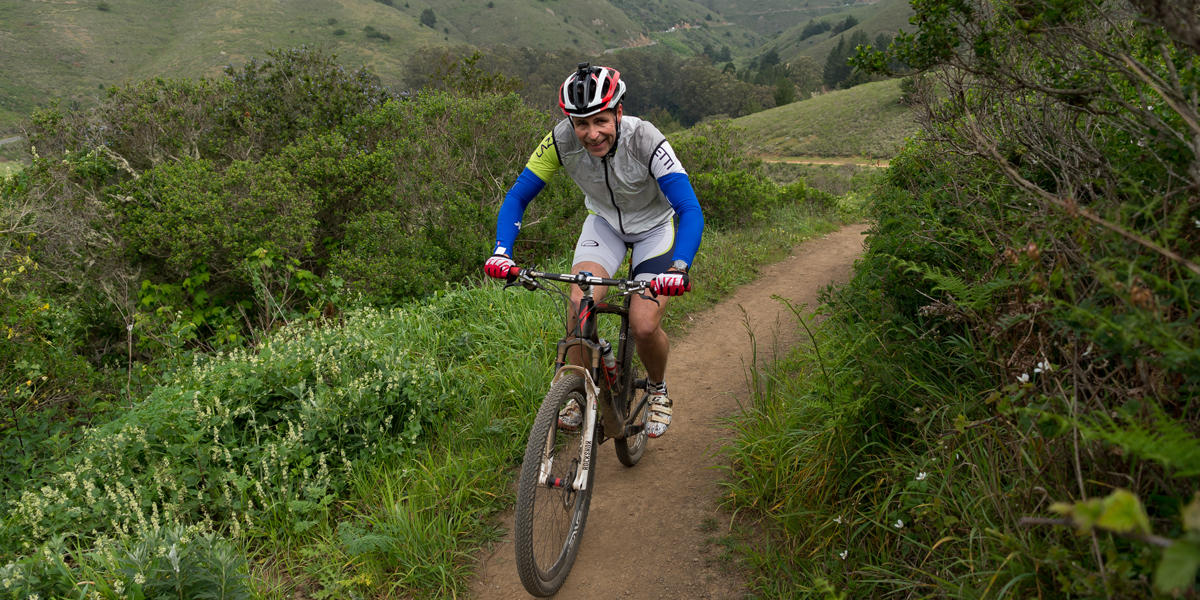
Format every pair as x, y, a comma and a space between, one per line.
771, 18
72, 49
866, 120
884, 16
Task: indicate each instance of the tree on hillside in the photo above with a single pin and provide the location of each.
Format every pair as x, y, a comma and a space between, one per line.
428, 19
838, 71
814, 27
845, 24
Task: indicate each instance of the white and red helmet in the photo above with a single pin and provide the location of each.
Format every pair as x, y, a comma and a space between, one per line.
590, 90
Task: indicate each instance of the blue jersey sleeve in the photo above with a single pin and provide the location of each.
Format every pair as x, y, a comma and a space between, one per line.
678, 189
508, 222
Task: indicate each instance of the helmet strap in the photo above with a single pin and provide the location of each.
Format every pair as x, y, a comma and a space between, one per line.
616, 136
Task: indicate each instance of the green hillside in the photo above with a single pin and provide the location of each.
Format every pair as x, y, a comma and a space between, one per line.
865, 120
772, 17
884, 16
74, 50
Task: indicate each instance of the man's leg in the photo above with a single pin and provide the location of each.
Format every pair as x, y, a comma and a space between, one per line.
645, 323
645, 320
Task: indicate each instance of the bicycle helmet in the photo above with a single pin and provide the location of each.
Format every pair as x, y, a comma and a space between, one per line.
590, 90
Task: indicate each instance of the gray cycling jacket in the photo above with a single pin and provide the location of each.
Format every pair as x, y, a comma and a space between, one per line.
622, 187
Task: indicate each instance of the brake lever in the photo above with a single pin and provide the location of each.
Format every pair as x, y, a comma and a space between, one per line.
524, 281
653, 297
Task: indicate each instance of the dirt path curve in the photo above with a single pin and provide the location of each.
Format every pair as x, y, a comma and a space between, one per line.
645, 535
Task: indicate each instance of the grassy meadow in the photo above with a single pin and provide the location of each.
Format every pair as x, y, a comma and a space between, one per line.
867, 121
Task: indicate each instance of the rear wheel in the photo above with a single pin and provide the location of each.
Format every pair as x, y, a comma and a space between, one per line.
550, 517
630, 449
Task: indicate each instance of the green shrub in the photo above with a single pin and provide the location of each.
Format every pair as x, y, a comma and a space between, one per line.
295, 413
165, 562
732, 199
188, 214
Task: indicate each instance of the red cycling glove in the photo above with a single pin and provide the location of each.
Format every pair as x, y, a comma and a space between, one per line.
671, 283
498, 266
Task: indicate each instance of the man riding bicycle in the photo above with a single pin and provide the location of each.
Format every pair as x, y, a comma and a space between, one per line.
634, 189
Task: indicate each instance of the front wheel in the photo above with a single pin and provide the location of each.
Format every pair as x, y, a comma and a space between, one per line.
550, 517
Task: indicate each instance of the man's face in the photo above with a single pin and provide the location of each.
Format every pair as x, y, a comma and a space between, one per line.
598, 132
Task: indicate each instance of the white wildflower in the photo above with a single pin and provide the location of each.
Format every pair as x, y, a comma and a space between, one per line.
921, 476
838, 519
899, 524
1023, 378
843, 554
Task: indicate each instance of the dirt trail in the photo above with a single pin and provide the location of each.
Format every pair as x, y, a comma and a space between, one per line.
646, 531
880, 163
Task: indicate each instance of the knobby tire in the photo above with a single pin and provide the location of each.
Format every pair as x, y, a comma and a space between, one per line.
549, 521
630, 449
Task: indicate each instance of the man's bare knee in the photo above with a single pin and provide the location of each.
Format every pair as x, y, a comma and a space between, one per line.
643, 330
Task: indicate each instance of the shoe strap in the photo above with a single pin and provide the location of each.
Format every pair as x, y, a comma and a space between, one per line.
659, 417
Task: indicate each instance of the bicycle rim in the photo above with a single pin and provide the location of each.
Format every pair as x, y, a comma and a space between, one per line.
630, 449
550, 520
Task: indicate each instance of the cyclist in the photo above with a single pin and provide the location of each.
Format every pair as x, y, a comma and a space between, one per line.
634, 188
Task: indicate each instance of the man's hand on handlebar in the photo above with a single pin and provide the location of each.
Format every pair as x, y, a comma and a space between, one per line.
671, 283
499, 266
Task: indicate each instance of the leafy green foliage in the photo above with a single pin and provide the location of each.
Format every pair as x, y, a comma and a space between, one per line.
165, 562
1160, 438
1021, 329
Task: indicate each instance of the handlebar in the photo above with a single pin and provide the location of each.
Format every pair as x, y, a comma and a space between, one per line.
584, 280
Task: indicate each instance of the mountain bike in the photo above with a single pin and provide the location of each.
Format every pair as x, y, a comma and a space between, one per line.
554, 490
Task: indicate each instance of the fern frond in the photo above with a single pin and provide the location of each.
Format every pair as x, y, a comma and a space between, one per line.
1162, 439
969, 296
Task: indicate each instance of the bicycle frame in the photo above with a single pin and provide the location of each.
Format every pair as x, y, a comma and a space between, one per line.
618, 423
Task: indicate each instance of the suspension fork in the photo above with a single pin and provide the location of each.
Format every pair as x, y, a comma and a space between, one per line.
589, 430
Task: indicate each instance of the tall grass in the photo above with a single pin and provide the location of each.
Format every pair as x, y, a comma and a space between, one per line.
875, 472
